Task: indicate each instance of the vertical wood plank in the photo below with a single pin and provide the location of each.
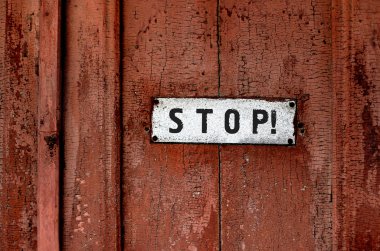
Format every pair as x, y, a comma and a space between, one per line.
356, 75
278, 198
48, 122
91, 181
18, 124
170, 191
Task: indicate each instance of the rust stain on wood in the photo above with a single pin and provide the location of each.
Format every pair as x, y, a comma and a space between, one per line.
170, 192
91, 216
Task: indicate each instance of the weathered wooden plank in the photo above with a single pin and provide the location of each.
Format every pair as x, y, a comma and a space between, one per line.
278, 198
169, 192
91, 182
18, 124
356, 75
48, 122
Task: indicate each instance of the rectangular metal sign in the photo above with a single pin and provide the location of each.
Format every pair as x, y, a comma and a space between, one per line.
223, 121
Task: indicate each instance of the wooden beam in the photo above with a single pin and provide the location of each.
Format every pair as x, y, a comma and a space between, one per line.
48, 130
356, 155
278, 197
18, 130
170, 192
92, 128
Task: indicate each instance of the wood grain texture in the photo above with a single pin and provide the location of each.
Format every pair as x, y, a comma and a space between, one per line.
356, 74
169, 191
91, 182
48, 122
18, 124
278, 198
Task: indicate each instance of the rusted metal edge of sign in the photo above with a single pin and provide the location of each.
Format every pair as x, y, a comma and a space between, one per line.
224, 121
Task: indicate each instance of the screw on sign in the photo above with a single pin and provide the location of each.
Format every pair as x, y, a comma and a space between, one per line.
223, 121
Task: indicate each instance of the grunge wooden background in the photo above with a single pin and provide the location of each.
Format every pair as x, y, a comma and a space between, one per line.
78, 170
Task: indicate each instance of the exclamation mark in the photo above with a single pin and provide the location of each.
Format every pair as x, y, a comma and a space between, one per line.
273, 120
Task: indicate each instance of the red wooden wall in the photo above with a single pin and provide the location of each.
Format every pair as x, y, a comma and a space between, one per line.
91, 126
279, 197
19, 48
169, 192
356, 156
78, 170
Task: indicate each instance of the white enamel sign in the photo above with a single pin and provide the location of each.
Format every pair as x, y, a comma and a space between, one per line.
223, 121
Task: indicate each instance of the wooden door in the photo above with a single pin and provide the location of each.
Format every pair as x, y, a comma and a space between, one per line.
78, 170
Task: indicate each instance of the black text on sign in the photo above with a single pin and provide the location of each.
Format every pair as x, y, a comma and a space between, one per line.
223, 121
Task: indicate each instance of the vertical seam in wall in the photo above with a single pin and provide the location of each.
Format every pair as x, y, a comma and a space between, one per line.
121, 32
63, 48
220, 197
341, 52
219, 146
331, 169
218, 42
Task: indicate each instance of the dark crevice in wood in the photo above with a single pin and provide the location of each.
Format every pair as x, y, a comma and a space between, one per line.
61, 121
121, 121
220, 198
218, 43
219, 146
